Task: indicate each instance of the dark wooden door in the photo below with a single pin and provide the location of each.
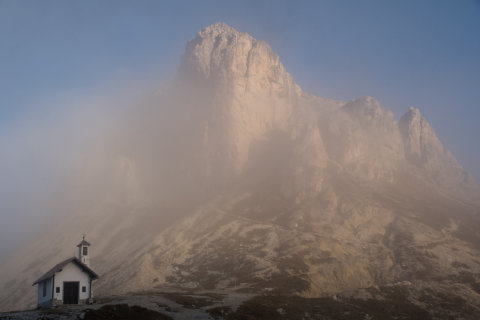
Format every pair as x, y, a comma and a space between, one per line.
70, 292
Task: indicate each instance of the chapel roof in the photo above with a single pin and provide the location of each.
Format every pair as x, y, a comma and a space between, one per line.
57, 268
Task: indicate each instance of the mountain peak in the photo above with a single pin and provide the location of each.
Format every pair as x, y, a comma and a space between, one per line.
420, 139
424, 150
232, 59
413, 110
217, 28
367, 110
364, 103
412, 114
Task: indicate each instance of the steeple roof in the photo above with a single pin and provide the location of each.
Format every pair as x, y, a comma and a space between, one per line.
83, 243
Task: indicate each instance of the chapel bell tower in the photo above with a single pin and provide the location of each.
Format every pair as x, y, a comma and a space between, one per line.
84, 252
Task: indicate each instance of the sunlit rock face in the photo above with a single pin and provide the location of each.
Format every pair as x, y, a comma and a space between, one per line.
238, 62
252, 93
236, 177
425, 152
255, 104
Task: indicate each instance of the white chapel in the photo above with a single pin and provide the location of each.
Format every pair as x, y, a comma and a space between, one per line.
68, 282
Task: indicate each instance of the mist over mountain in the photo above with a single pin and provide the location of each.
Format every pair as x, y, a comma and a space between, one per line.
233, 177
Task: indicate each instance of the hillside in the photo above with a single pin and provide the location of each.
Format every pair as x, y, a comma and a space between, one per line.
236, 179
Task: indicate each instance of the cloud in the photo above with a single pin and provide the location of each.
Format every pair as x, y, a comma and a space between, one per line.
41, 153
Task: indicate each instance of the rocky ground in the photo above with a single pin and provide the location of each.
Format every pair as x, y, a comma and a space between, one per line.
400, 301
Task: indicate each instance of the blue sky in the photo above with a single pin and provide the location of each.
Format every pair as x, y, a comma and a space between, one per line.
420, 53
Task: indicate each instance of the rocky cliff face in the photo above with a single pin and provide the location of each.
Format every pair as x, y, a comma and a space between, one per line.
425, 152
241, 179
250, 93
252, 99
